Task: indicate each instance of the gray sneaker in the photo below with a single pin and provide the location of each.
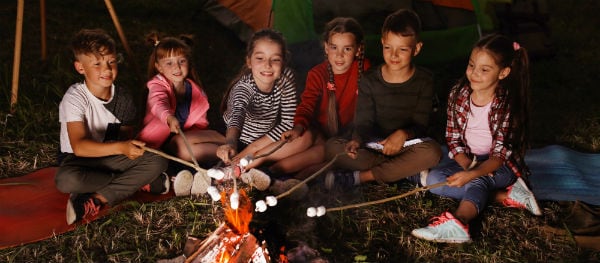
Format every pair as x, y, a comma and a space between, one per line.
182, 184
256, 178
445, 229
200, 183
520, 196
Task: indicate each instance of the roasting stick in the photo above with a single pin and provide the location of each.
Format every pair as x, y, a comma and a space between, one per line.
173, 158
188, 146
414, 191
317, 173
321, 210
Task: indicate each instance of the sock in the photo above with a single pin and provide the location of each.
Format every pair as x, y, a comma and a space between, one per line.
356, 177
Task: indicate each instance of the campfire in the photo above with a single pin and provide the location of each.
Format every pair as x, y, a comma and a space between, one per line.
232, 240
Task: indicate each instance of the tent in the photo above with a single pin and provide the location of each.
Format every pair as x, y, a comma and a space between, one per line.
450, 27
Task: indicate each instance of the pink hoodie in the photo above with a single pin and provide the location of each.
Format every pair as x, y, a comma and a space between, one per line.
161, 103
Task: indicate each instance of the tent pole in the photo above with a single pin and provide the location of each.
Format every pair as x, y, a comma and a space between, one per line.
115, 20
43, 28
17, 57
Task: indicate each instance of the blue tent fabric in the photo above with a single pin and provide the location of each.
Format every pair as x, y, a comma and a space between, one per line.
562, 174
559, 173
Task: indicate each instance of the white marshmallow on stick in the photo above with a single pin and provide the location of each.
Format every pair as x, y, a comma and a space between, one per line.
311, 212
214, 193
261, 206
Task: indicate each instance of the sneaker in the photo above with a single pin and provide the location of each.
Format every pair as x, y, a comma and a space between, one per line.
282, 186
200, 183
423, 177
445, 228
182, 184
160, 186
257, 178
520, 196
342, 179
82, 206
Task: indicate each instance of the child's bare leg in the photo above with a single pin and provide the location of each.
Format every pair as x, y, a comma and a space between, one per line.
313, 155
204, 144
466, 211
300, 144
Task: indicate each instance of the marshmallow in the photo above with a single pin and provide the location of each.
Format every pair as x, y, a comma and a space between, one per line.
214, 193
218, 174
261, 206
271, 200
246, 161
321, 211
311, 212
234, 200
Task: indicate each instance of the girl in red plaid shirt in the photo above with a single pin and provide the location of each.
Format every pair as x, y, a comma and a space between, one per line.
486, 133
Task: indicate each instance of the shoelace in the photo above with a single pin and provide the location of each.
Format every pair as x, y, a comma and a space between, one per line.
438, 220
91, 209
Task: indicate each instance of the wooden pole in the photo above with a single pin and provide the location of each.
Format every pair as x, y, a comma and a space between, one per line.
43, 28
17, 57
115, 20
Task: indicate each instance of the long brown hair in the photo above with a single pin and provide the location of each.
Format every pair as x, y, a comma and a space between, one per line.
266, 33
337, 26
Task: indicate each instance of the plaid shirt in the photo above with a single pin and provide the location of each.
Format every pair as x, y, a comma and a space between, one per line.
456, 125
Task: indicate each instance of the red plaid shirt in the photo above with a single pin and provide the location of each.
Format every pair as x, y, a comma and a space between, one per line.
456, 125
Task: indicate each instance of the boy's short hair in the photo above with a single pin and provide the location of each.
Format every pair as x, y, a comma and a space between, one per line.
93, 41
404, 22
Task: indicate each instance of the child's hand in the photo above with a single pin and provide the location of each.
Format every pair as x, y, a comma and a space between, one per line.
352, 149
173, 124
459, 179
293, 133
394, 143
133, 149
225, 152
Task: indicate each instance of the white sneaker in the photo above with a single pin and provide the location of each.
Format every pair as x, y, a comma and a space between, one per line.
200, 183
257, 178
520, 196
423, 177
445, 228
182, 185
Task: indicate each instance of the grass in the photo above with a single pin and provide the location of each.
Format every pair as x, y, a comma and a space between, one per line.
565, 111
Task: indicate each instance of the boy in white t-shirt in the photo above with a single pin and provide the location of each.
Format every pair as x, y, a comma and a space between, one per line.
99, 163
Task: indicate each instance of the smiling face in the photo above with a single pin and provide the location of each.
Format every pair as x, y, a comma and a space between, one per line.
483, 72
99, 71
341, 49
399, 50
174, 67
266, 63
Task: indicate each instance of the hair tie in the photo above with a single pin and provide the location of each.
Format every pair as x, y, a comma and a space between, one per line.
156, 42
516, 46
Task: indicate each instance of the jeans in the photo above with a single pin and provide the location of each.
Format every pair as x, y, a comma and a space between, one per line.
476, 191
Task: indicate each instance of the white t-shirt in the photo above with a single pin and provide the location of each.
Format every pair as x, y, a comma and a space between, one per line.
79, 104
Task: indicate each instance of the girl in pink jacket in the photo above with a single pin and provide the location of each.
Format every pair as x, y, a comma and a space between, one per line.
176, 101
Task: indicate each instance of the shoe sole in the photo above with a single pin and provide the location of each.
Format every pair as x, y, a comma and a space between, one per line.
200, 183
536, 208
256, 178
451, 241
182, 186
71, 216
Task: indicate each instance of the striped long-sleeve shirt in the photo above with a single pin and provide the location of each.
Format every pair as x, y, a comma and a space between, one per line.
257, 113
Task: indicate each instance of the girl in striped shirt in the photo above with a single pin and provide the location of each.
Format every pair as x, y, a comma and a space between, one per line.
260, 104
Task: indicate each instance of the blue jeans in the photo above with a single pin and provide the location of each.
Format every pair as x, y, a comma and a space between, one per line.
476, 191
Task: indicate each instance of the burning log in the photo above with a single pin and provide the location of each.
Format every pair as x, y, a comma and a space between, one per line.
225, 245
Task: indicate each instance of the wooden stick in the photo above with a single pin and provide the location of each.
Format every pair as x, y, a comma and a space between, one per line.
43, 28
424, 188
188, 146
198, 168
317, 173
17, 55
272, 150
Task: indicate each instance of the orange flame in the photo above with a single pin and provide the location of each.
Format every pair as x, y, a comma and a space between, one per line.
238, 219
